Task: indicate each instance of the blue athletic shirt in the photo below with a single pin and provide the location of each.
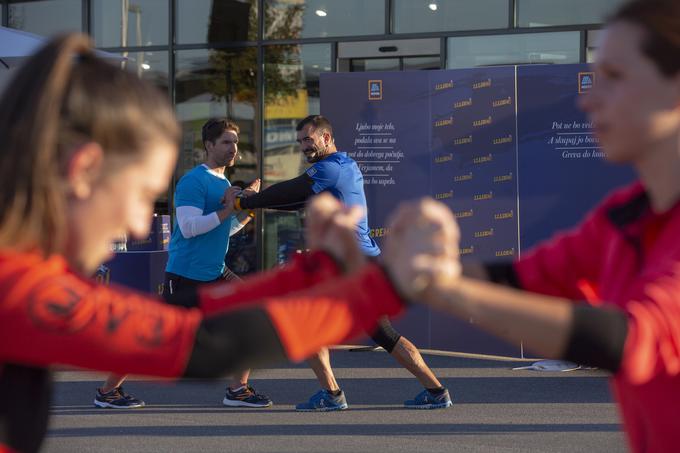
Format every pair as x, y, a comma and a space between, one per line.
200, 257
339, 175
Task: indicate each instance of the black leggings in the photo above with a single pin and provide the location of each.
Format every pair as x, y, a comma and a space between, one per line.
385, 335
175, 283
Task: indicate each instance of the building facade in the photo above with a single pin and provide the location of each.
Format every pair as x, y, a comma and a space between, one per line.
258, 62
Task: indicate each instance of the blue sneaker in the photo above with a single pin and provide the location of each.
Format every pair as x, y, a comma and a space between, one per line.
323, 401
425, 400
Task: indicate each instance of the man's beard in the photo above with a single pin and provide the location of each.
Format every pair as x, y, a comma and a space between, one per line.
315, 155
230, 161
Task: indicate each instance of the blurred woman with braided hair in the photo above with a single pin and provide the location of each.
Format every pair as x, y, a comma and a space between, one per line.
86, 149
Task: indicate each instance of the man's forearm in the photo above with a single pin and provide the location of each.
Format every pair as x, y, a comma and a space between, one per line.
242, 219
286, 195
224, 213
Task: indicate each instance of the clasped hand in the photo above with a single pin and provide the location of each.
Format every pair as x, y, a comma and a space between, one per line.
233, 192
421, 249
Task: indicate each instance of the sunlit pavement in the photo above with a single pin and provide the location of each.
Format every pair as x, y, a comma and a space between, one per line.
495, 409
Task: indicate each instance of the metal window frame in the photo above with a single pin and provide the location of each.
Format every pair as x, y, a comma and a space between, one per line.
335, 42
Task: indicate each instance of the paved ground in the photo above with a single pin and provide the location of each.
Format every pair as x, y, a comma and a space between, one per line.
495, 409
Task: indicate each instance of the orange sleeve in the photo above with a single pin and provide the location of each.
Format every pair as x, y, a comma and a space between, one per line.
332, 312
50, 316
303, 271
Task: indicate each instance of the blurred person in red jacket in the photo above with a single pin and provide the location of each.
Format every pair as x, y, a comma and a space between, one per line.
606, 293
87, 148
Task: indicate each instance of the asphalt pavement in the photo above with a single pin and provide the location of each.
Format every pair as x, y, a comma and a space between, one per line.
496, 409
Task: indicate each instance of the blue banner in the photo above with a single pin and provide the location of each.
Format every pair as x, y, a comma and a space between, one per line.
143, 271
506, 148
382, 122
562, 174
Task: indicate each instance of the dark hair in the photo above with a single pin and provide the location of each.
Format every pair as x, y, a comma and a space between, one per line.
660, 19
62, 97
215, 127
319, 122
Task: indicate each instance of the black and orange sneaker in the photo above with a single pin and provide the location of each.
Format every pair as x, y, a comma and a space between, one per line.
245, 396
117, 399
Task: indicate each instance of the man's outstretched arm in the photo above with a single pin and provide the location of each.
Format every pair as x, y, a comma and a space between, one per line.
286, 195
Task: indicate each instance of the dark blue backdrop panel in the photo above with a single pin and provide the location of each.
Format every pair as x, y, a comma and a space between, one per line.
562, 174
505, 148
451, 334
450, 135
474, 156
389, 137
143, 271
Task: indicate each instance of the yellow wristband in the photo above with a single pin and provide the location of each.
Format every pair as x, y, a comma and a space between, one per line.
251, 214
237, 203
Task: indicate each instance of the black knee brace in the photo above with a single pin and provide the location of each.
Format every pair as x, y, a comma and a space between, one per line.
385, 335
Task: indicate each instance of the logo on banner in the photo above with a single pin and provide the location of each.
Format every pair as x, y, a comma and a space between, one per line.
585, 81
444, 195
379, 232
466, 250
375, 90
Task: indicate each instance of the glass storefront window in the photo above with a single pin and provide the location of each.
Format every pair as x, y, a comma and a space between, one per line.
422, 63
217, 83
545, 13
291, 93
294, 19
220, 83
151, 66
215, 21
414, 16
130, 23
46, 18
592, 42
527, 48
374, 64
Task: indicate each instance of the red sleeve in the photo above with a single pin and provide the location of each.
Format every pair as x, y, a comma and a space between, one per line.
304, 271
653, 343
50, 316
6, 449
332, 312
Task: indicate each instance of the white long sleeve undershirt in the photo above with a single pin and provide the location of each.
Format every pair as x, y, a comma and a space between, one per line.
192, 222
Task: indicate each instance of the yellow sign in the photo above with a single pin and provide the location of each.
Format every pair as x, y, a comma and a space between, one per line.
288, 107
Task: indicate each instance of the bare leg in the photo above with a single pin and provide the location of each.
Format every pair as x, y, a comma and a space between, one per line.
113, 381
409, 357
240, 394
239, 380
321, 365
105, 397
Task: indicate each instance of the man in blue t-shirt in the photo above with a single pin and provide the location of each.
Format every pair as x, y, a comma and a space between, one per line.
335, 172
204, 221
